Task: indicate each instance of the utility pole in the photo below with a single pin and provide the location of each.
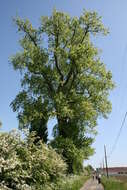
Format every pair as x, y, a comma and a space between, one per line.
106, 164
103, 167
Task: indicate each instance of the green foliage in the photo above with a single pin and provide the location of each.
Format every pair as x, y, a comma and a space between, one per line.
89, 169
62, 77
24, 165
65, 72
72, 183
113, 184
32, 114
71, 154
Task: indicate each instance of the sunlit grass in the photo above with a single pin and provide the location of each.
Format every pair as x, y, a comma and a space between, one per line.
73, 183
113, 184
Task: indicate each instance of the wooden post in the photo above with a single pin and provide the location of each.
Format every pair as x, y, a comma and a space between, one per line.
106, 163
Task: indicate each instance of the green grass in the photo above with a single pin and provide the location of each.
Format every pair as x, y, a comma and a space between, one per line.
113, 184
73, 183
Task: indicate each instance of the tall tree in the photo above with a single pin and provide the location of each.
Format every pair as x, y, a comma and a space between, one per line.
61, 69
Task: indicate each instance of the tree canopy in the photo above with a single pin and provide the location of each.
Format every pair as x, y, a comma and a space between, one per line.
62, 76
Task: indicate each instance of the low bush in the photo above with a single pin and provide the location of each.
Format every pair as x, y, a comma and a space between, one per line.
24, 165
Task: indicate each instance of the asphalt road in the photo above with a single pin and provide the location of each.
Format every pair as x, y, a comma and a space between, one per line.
92, 185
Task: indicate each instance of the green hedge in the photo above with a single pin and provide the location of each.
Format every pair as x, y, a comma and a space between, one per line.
113, 184
24, 165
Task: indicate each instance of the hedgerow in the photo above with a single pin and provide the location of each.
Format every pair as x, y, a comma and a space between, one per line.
26, 165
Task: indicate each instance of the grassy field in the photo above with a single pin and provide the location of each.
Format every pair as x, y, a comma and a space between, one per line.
121, 178
118, 183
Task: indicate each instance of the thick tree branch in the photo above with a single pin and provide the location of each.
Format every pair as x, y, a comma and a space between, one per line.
85, 33
70, 72
25, 30
68, 76
72, 38
73, 61
32, 39
49, 84
57, 67
46, 79
55, 55
72, 82
74, 32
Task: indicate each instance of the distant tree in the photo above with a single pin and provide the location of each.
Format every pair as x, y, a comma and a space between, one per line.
61, 70
89, 169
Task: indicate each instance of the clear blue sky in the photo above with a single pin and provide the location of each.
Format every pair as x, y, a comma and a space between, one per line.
114, 55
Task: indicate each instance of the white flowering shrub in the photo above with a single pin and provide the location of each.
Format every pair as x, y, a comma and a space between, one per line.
25, 165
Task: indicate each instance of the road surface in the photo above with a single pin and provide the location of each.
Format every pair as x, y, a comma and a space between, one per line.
92, 185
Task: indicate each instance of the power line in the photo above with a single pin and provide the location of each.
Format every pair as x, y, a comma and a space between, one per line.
117, 138
124, 119
118, 135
